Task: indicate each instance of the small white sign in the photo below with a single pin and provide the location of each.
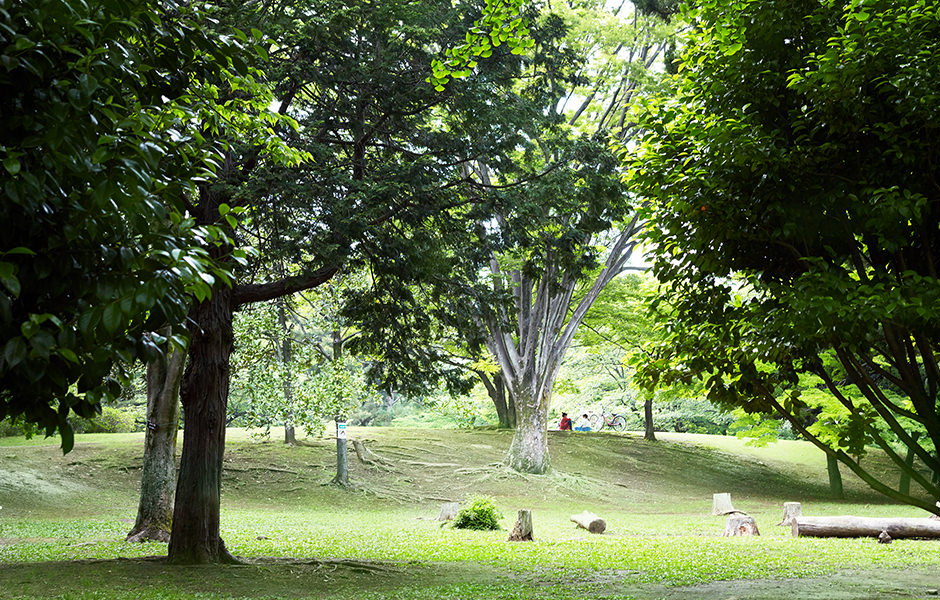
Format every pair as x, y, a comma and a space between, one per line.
341, 430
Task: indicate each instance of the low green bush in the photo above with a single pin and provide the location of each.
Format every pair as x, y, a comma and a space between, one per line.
10, 429
481, 515
111, 420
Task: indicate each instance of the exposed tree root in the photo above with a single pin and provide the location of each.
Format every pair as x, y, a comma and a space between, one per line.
274, 469
369, 458
149, 534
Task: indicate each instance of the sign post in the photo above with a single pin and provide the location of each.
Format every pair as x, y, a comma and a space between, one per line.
342, 455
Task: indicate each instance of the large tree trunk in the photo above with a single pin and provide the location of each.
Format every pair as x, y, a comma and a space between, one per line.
528, 452
195, 538
158, 476
649, 433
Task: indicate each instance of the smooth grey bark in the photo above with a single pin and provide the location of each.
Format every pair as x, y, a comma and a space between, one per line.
544, 320
158, 475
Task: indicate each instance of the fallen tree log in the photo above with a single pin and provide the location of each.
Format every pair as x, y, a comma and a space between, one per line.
848, 526
590, 521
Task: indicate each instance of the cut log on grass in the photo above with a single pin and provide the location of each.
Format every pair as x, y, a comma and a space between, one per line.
590, 521
847, 526
791, 510
721, 504
740, 524
448, 511
522, 531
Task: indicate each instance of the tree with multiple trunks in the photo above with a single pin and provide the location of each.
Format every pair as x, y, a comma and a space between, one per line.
793, 187
564, 224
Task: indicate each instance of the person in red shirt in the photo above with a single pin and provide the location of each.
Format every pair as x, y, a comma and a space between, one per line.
565, 422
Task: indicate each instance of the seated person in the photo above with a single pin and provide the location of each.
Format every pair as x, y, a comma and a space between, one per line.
565, 422
583, 424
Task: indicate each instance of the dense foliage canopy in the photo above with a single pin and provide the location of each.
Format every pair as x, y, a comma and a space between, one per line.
793, 202
99, 148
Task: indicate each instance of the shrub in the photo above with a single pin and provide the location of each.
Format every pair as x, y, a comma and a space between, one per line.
10, 429
481, 515
111, 420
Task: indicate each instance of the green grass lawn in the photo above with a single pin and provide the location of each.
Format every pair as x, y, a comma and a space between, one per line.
64, 518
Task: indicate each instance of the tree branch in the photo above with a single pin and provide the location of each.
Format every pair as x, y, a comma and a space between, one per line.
248, 293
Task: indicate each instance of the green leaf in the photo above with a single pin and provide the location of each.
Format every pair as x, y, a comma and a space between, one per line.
20, 250
8, 279
12, 165
15, 351
111, 319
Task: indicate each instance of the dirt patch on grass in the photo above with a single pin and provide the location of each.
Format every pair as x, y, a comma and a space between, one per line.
874, 584
269, 577
37, 483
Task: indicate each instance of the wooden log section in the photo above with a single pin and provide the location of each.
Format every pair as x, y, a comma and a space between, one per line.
740, 524
847, 526
791, 510
522, 531
449, 510
590, 521
721, 504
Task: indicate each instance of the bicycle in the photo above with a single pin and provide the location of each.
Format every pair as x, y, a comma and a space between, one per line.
613, 421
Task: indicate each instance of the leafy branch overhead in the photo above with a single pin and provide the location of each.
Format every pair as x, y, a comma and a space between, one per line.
792, 184
502, 22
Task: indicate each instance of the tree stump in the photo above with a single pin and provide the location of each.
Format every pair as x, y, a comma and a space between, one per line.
935, 517
590, 521
522, 530
449, 510
791, 510
740, 524
721, 504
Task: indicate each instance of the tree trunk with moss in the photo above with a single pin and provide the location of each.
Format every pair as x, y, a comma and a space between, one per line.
528, 452
158, 475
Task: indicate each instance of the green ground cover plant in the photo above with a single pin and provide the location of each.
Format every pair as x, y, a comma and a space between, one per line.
480, 515
64, 518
